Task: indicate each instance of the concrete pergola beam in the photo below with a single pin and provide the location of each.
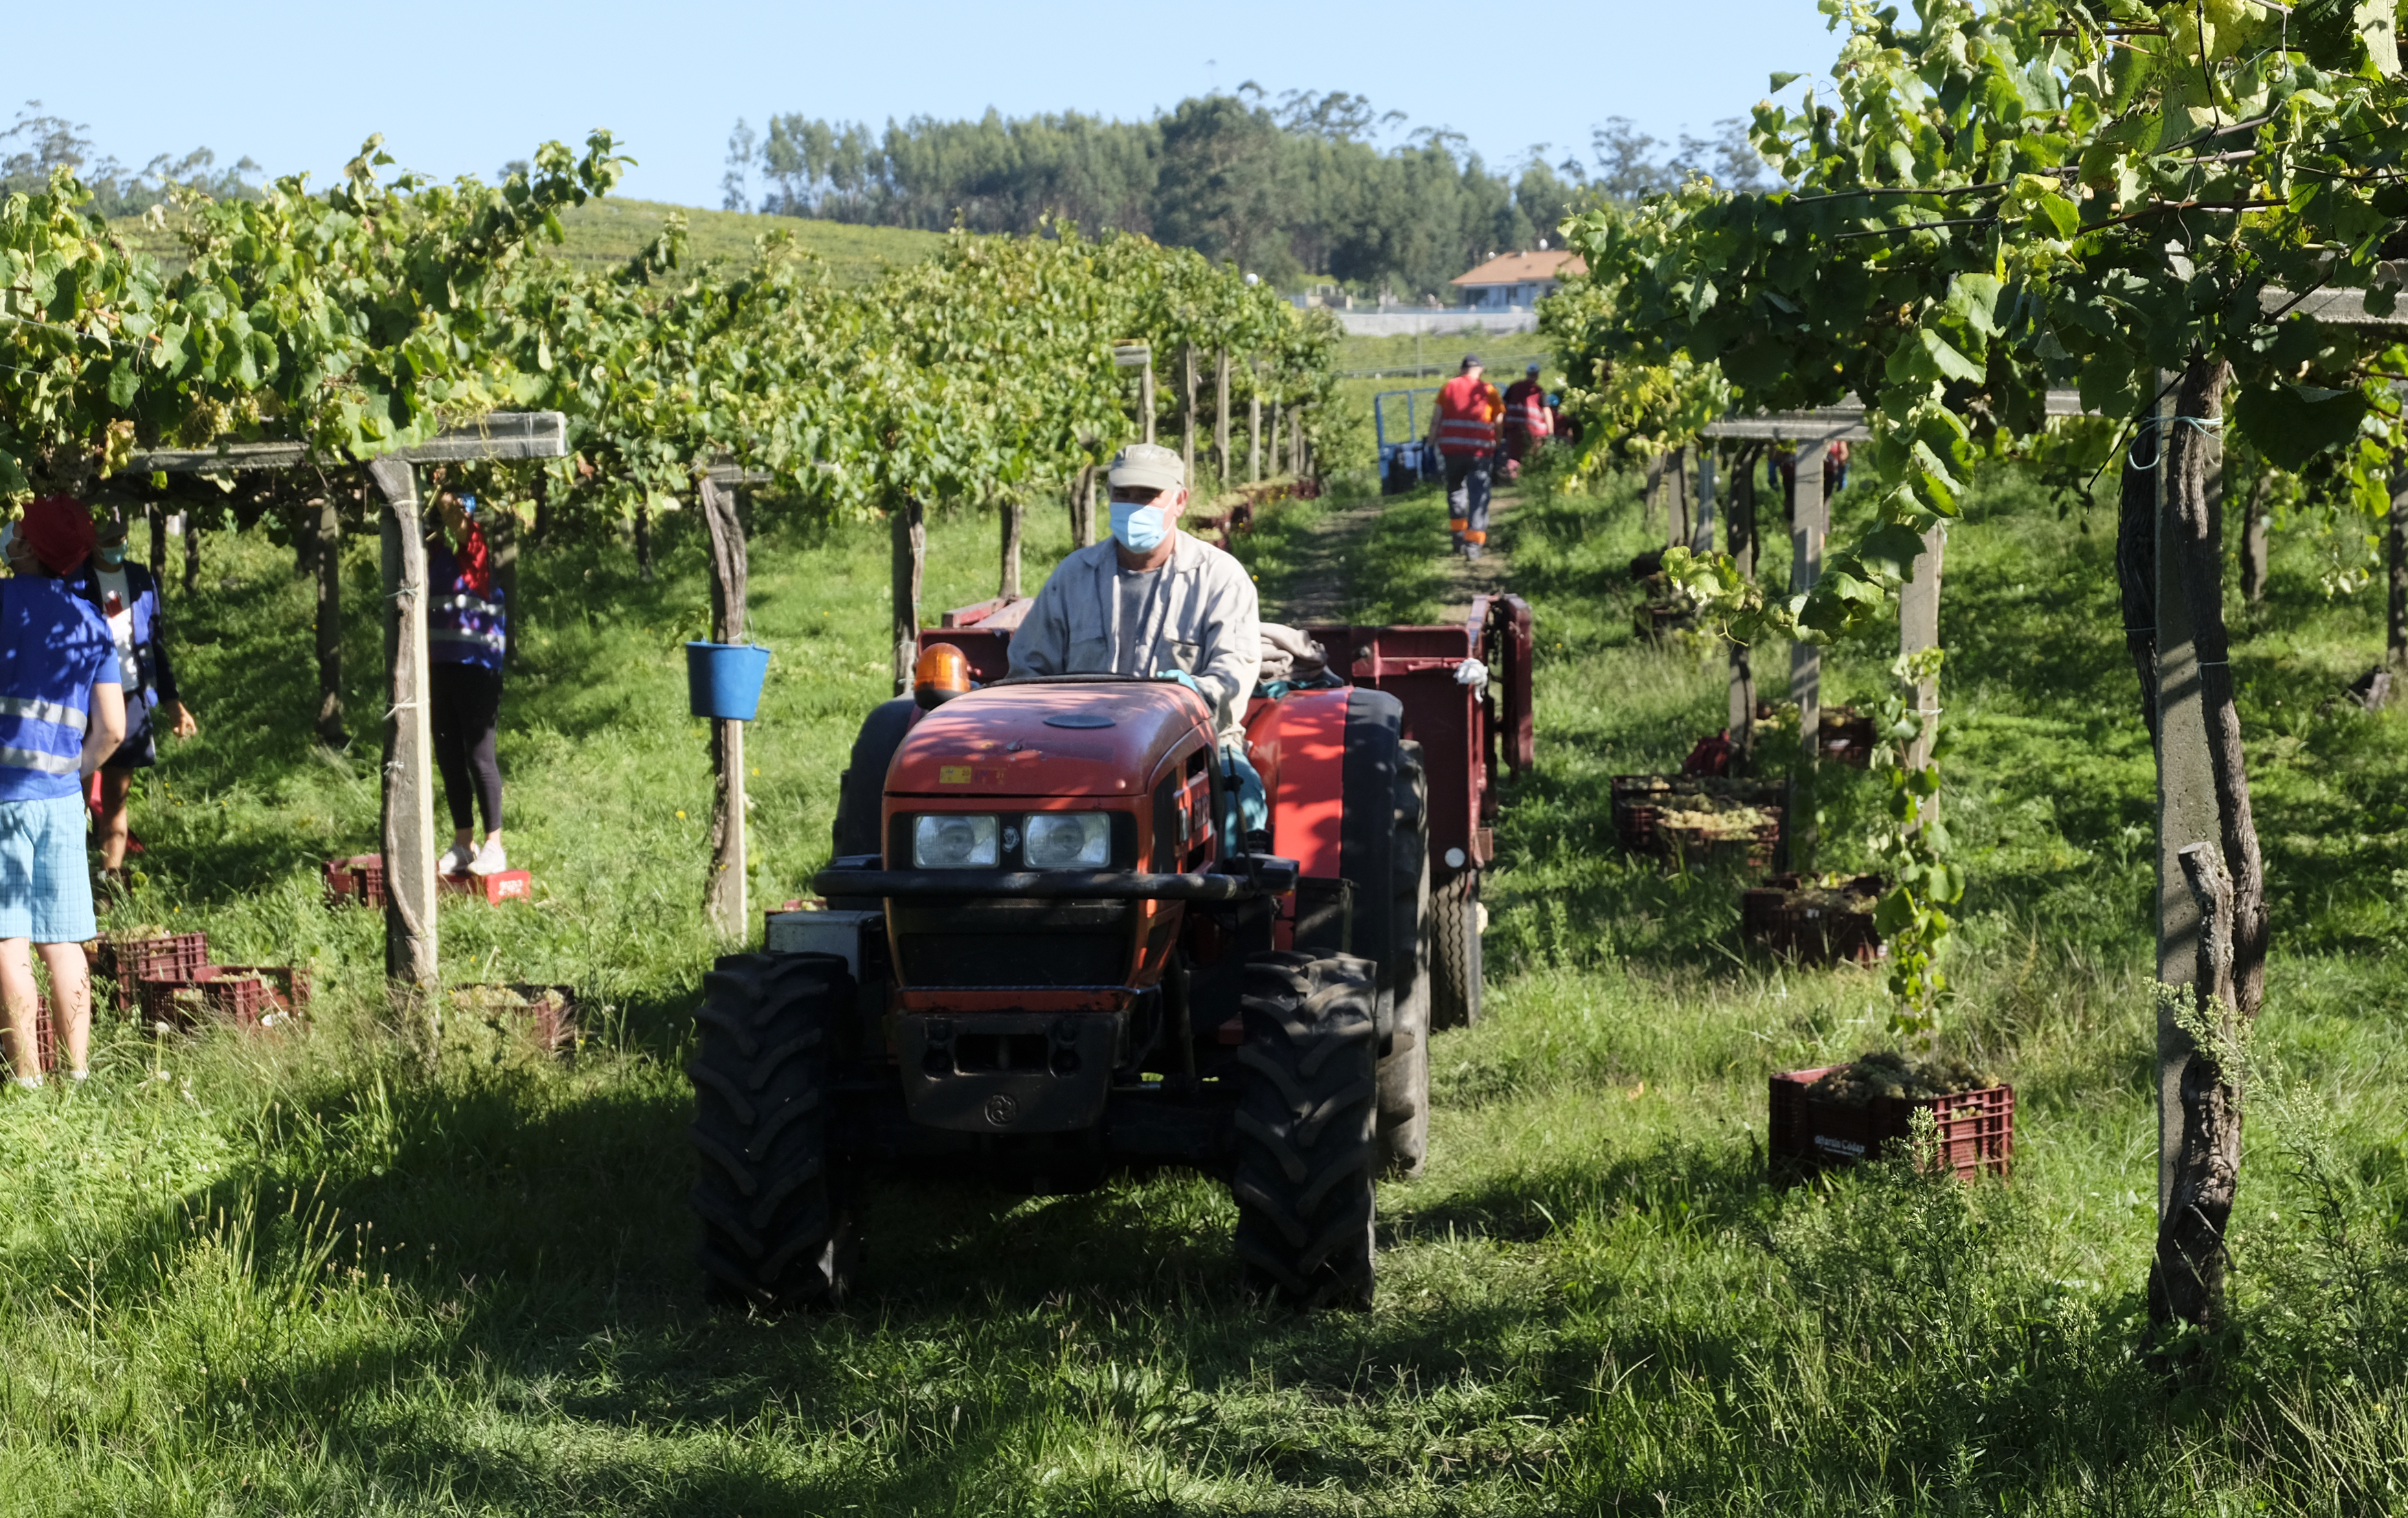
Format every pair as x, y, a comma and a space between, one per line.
498, 435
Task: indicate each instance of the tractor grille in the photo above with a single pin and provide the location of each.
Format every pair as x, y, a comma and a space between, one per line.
964, 960
966, 944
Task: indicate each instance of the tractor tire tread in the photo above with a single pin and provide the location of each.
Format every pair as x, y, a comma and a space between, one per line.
1306, 1126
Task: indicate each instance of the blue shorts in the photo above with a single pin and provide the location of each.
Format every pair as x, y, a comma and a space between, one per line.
44, 889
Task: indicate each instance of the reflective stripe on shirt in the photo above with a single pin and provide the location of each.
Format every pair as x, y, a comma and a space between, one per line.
35, 759
40, 712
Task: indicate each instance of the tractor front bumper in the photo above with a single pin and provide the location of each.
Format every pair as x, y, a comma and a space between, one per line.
1240, 878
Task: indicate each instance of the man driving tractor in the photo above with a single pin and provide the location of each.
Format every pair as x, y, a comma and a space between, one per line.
1153, 601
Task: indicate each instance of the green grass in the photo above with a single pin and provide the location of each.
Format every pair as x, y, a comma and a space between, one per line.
310, 1275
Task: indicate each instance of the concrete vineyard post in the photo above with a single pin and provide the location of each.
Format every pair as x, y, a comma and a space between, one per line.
2395, 555
908, 523
410, 946
1255, 426
723, 895
1008, 576
1221, 417
1918, 628
330, 620
1806, 530
1702, 531
1271, 449
1655, 488
644, 542
1187, 411
2256, 527
1145, 401
1740, 536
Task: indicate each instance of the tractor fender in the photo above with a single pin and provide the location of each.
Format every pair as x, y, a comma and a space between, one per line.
1329, 761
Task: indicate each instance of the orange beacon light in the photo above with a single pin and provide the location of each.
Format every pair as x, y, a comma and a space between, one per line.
941, 674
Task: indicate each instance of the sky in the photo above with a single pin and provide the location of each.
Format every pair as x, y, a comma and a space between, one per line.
459, 88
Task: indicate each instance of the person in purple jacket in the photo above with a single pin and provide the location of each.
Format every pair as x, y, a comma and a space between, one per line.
467, 632
60, 714
127, 598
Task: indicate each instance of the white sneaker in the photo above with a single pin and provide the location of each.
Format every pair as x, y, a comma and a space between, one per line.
489, 860
455, 861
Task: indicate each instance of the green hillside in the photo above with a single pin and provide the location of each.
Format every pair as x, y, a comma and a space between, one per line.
610, 231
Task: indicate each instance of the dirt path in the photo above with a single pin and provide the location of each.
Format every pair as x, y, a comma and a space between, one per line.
1318, 594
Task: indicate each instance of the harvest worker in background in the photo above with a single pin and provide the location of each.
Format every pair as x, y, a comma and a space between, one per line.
1463, 424
468, 632
127, 598
1529, 421
1154, 602
61, 713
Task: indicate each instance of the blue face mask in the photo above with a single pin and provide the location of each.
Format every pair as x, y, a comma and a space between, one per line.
1140, 529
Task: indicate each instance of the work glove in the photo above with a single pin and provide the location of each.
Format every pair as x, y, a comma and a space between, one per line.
1474, 673
1184, 678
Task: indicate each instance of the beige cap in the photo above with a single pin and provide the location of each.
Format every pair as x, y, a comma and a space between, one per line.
1148, 467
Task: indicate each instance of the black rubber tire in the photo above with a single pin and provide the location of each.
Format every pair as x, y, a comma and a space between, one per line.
861, 791
776, 1230
1454, 952
1404, 1069
1308, 1149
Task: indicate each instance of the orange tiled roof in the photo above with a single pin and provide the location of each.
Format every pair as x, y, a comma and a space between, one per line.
1522, 268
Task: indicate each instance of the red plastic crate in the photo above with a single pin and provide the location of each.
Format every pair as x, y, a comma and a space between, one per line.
244, 996
497, 888
46, 1052
126, 962
551, 1011
1639, 803
358, 879
1806, 1137
1808, 932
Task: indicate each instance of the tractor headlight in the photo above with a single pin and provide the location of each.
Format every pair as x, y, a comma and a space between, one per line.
955, 841
1068, 840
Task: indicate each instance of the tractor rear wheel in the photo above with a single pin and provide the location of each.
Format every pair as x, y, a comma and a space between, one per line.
775, 1232
1404, 1070
1307, 1116
1454, 935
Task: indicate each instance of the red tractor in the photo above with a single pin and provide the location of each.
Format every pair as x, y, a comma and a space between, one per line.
1043, 955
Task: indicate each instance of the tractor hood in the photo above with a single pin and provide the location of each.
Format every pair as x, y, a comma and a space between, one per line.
1044, 738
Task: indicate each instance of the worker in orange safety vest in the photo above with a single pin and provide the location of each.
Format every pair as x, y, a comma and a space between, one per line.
1529, 421
1463, 428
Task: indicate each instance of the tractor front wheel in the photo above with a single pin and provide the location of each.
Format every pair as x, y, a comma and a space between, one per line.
775, 1232
1308, 1149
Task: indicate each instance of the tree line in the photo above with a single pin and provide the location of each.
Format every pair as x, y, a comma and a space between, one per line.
1292, 189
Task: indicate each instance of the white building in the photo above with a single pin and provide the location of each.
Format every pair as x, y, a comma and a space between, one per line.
1514, 282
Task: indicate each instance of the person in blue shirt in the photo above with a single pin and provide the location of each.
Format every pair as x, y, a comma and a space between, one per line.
127, 598
467, 632
62, 712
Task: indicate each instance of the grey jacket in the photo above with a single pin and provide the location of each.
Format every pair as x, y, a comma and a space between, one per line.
1206, 621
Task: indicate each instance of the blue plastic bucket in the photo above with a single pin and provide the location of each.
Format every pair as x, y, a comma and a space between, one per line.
724, 680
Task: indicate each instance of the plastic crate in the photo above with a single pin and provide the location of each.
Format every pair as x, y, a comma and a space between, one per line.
550, 1012
1811, 933
497, 888
46, 1049
125, 961
358, 880
1641, 803
1807, 1137
251, 996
